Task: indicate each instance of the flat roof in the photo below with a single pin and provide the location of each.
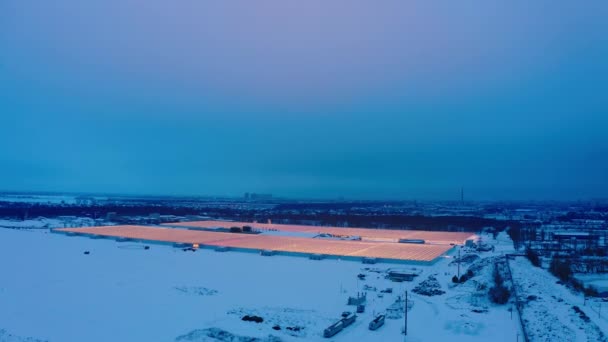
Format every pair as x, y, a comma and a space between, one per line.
434, 237
571, 233
381, 250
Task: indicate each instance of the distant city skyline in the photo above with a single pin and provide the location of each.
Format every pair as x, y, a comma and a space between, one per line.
300, 196
399, 100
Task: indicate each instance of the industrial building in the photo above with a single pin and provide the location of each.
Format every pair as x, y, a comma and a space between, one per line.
366, 234
270, 244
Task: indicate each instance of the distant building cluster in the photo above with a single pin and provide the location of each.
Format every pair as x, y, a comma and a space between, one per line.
254, 196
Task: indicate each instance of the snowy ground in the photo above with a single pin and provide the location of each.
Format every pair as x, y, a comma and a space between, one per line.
51, 291
35, 198
551, 311
39, 223
46, 223
598, 281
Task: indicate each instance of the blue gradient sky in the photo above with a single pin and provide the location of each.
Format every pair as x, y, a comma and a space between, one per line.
317, 98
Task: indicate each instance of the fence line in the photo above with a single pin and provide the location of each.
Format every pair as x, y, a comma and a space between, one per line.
597, 309
518, 304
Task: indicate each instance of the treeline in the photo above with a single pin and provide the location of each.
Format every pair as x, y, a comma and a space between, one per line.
521, 233
598, 213
334, 205
499, 293
22, 210
371, 219
562, 269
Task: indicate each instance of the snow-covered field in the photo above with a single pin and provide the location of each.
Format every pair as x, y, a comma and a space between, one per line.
39, 223
551, 311
598, 281
45, 223
51, 291
36, 198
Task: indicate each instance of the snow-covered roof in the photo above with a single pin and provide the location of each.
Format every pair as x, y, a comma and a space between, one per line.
571, 233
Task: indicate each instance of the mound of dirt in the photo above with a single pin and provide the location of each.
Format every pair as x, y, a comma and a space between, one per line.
429, 287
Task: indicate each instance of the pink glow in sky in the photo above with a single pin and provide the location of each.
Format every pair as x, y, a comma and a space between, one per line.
360, 98
298, 52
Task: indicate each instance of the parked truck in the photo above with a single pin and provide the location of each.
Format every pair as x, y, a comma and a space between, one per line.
333, 329
347, 319
377, 322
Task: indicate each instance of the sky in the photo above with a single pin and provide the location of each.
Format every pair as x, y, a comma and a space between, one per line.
343, 98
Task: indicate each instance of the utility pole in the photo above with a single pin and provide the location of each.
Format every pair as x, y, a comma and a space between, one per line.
462, 196
459, 263
405, 331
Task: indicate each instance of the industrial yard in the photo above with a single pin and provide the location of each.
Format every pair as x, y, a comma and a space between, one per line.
81, 289
129, 277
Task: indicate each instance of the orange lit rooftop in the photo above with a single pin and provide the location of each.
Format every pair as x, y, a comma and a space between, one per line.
289, 245
432, 237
